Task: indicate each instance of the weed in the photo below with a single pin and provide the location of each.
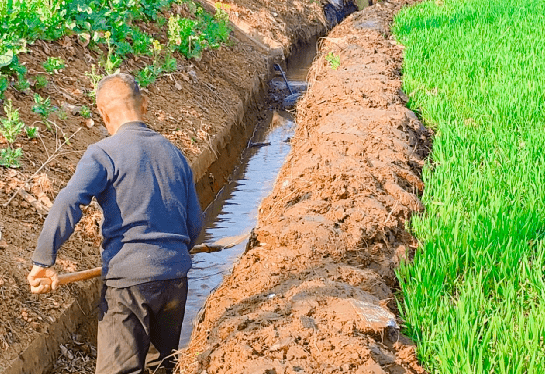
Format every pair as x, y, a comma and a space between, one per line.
53, 64
94, 78
85, 111
40, 82
43, 108
10, 127
63, 116
333, 60
32, 132
111, 61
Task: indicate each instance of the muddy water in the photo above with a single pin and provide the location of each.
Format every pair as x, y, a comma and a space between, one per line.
234, 211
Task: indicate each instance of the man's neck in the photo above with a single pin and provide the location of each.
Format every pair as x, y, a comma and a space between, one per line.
121, 120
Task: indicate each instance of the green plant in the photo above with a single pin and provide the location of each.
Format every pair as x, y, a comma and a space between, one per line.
32, 132
4, 84
149, 73
40, 82
473, 296
63, 116
43, 108
53, 64
22, 84
10, 127
94, 78
333, 60
85, 111
111, 61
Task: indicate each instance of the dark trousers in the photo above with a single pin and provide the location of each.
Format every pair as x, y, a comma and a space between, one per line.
132, 317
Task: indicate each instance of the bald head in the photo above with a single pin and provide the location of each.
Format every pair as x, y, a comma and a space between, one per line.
119, 100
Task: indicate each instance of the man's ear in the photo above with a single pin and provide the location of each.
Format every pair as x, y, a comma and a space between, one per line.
104, 115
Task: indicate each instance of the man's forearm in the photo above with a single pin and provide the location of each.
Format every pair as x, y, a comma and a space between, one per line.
59, 225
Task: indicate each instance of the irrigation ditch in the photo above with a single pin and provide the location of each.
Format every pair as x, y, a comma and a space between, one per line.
313, 291
218, 99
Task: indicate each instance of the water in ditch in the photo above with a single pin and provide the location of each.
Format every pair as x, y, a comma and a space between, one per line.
234, 211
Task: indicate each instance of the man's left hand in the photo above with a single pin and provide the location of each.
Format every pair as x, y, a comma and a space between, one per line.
42, 280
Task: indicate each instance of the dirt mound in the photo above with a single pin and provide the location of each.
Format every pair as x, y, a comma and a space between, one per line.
196, 107
313, 292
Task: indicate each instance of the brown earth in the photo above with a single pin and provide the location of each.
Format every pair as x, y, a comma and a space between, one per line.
195, 107
313, 293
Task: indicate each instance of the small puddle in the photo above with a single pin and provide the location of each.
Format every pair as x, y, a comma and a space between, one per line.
235, 209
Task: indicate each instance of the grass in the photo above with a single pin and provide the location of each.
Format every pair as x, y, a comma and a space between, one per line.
473, 298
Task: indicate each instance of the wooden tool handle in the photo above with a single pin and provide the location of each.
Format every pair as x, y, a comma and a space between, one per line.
80, 275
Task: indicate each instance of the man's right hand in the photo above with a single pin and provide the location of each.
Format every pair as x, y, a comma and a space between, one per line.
42, 280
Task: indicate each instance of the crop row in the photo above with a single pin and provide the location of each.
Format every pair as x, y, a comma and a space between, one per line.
114, 29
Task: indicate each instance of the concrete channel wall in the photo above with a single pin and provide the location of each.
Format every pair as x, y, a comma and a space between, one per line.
313, 292
211, 169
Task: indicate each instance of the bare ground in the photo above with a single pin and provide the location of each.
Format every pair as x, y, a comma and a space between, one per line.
314, 291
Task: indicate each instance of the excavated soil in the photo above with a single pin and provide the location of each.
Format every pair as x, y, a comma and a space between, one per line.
313, 292
193, 107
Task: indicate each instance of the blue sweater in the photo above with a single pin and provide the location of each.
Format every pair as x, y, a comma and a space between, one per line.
151, 212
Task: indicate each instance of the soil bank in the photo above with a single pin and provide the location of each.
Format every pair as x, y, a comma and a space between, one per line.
207, 108
313, 292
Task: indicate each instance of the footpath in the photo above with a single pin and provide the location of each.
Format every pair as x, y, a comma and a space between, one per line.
313, 292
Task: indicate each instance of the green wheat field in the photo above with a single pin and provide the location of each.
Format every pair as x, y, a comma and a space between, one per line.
473, 298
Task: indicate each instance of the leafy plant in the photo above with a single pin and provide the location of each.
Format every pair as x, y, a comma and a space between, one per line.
43, 108
53, 64
22, 84
85, 111
333, 60
10, 157
4, 84
10, 127
40, 82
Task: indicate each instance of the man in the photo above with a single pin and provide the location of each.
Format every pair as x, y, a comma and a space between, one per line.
152, 218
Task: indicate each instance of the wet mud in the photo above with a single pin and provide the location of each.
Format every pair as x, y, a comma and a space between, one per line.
313, 292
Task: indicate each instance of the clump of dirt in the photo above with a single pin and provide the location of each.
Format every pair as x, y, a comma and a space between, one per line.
314, 291
193, 107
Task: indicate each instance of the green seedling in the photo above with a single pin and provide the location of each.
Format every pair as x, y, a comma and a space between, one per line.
53, 64
32, 132
40, 82
94, 78
63, 116
43, 108
10, 157
85, 112
10, 127
22, 84
333, 60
